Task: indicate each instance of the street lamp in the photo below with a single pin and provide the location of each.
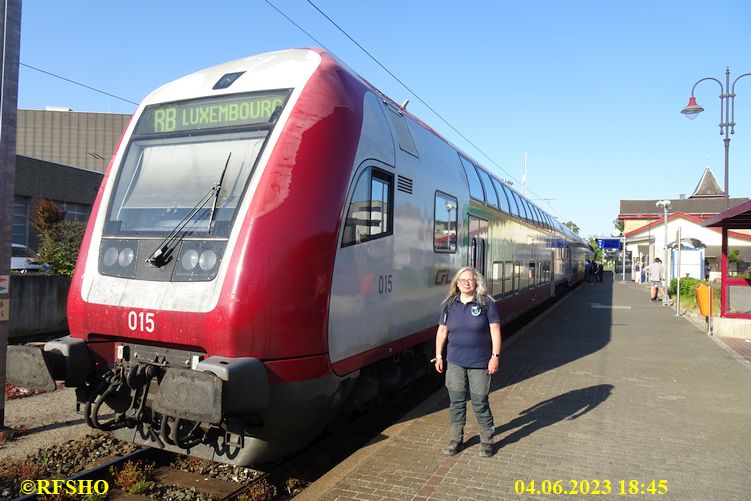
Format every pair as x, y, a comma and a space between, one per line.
727, 116
452, 238
619, 234
665, 204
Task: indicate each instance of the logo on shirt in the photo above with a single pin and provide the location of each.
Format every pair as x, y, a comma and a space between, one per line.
476, 310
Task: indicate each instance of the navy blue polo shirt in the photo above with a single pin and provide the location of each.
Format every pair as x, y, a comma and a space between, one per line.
469, 342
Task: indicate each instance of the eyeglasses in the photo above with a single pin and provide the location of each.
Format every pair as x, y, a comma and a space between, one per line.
463, 281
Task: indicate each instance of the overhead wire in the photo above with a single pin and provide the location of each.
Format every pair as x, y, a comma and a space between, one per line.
77, 83
436, 113
320, 44
363, 49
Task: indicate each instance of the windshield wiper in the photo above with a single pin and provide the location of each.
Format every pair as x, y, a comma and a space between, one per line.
216, 195
163, 253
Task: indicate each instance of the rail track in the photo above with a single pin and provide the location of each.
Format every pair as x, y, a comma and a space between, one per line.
166, 475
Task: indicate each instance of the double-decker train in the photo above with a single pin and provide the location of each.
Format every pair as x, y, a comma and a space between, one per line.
270, 246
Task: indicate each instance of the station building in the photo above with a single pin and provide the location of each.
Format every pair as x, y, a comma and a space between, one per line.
644, 227
61, 155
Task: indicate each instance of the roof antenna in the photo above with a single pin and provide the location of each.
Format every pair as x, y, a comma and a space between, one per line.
404, 104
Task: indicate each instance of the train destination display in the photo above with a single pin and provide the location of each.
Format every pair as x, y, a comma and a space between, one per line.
213, 113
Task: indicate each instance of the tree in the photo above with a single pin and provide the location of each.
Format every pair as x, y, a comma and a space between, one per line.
572, 226
619, 224
598, 252
60, 239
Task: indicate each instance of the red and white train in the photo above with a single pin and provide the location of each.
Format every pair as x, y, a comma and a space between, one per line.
270, 245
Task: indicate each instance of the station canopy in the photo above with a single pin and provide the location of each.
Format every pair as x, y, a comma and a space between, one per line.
735, 218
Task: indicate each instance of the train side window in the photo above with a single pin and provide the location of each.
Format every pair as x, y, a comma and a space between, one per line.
490, 193
496, 279
509, 285
370, 211
402, 132
538, 213
518, 277
540, 274
521, 212
475, 186
445, 223
546, 271
548, 225
502, 198
528, 206
532, 273
530, 215
508, 278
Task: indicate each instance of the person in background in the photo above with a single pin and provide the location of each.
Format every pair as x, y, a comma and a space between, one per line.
636, 269
655, 272
469, 332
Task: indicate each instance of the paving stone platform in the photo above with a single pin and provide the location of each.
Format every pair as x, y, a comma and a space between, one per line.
605, 387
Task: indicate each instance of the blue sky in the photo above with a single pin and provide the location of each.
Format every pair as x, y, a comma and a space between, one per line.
591, 91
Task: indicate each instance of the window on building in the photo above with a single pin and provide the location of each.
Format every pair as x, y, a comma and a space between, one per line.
20, 232
76, 212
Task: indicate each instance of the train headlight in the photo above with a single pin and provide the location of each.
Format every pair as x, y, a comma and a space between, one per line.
198, 260
110, 256
117, 257
208, 260
125, 257
189, 259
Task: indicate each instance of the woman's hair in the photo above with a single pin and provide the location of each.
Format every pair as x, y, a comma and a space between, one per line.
481, 291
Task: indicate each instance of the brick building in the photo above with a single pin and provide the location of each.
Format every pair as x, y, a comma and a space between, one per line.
61, 155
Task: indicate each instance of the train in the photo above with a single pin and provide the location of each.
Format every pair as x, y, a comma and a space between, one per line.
268, 252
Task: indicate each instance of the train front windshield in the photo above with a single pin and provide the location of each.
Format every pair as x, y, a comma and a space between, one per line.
189, 163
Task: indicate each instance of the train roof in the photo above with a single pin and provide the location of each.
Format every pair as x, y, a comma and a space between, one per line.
300, 64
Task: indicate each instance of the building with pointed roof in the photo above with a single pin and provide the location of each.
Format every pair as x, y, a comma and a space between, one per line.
708, 186
644, 225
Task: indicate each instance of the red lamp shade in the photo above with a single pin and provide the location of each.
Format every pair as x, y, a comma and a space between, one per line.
692, 109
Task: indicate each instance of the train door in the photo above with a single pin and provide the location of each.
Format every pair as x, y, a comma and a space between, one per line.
551, 272
478, 243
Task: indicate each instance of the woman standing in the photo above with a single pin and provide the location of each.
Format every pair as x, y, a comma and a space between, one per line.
471, 324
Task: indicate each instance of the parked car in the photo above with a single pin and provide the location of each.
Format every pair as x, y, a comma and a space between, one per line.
619, 266
25, 260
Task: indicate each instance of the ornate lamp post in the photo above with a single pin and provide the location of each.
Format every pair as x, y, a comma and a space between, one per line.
665, 204
727, 116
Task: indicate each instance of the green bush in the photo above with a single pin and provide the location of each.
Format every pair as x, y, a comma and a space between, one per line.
60, 245
688, 286
60, 239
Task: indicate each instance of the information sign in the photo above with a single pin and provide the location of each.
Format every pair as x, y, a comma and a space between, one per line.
608, 243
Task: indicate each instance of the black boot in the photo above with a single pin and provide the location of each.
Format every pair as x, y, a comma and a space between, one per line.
453, 447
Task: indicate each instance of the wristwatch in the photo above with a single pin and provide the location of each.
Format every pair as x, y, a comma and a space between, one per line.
497, 355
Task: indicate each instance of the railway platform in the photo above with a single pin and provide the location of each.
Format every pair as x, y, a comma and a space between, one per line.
605, 394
